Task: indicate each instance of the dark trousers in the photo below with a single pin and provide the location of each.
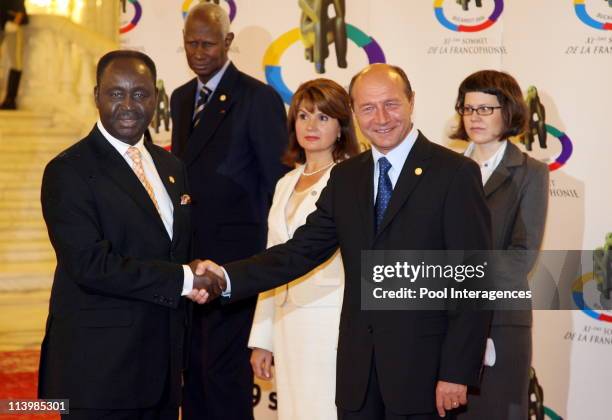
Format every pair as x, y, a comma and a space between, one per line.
504, 389
139, 414
162, 411
373, 407
218, 384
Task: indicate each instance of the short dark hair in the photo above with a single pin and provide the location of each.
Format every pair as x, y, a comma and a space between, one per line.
109, 57
395, 69
332, 100
508, 92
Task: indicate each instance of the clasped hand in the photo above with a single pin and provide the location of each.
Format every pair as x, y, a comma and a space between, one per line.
208, 281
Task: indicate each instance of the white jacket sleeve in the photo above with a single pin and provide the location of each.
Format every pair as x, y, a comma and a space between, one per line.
262, 331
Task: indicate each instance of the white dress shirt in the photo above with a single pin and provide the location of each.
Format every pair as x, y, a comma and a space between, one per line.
166, 209
488, 167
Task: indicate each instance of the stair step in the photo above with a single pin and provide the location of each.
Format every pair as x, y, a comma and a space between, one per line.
20, 118
34, 223
20, 233
20, 214
25, 282
28, 255
17, 269
27, 145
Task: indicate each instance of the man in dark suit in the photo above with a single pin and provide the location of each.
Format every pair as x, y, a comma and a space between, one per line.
229, 129
119, 220
405, 194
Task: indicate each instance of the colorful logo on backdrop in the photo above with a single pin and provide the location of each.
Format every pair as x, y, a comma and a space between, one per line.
536, 407
540, 130
580, 302
597, 20
277, 48
471, 24
550, 414
317, 31
601, 275
231, 3
135, 19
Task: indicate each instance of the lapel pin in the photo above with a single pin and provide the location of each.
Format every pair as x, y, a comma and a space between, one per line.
222, 98
171, 179
418, 171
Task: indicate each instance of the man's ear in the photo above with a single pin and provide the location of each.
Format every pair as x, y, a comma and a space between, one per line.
96, 95
228, 39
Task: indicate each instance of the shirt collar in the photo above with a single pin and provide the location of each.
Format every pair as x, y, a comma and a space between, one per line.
494, 160
213, 82
120, 146
397, 156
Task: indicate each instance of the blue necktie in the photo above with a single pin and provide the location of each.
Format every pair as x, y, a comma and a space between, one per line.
385, 188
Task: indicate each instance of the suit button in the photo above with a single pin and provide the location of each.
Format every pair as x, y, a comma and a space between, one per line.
370, 329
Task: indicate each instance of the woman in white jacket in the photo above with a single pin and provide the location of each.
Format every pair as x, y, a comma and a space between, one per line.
297, 324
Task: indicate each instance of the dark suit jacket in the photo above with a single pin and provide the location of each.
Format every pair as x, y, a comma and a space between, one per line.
115, 332
517, 196
443, 208
233, 163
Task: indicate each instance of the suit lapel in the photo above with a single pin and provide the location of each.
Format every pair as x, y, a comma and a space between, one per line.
284, 199
115, 166
215, 111
512, 157
365, 196
184, 116
417, 158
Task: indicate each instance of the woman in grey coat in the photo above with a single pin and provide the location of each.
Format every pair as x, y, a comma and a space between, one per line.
491, 110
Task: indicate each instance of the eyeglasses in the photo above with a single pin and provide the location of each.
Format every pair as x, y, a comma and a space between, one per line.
481, 110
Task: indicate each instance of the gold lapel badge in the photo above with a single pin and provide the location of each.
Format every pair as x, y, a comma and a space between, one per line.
185, 199
222, 98
418, 171
171, 179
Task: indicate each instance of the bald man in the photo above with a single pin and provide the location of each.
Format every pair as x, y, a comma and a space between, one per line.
229, 129
406, 193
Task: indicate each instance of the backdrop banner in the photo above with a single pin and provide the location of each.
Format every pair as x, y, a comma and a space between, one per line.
559, 51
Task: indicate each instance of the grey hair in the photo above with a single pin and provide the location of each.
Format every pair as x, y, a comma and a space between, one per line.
211, 11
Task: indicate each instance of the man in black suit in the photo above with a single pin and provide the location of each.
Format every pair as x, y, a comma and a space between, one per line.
405, 194
119, 220
229, 129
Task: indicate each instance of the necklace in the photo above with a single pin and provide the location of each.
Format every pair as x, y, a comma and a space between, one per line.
318, 170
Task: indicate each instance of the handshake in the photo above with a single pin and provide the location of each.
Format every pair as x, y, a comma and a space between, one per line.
208, 281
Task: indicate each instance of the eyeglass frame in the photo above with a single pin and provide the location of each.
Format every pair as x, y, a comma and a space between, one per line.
461, 110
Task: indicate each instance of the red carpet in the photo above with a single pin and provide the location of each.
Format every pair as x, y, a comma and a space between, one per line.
18, 380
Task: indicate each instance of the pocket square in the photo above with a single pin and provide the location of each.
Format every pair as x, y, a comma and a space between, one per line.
185, 199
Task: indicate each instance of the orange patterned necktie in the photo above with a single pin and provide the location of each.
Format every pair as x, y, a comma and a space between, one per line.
134, 154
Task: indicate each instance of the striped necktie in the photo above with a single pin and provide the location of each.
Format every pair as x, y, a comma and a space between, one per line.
136, 157
202, 99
